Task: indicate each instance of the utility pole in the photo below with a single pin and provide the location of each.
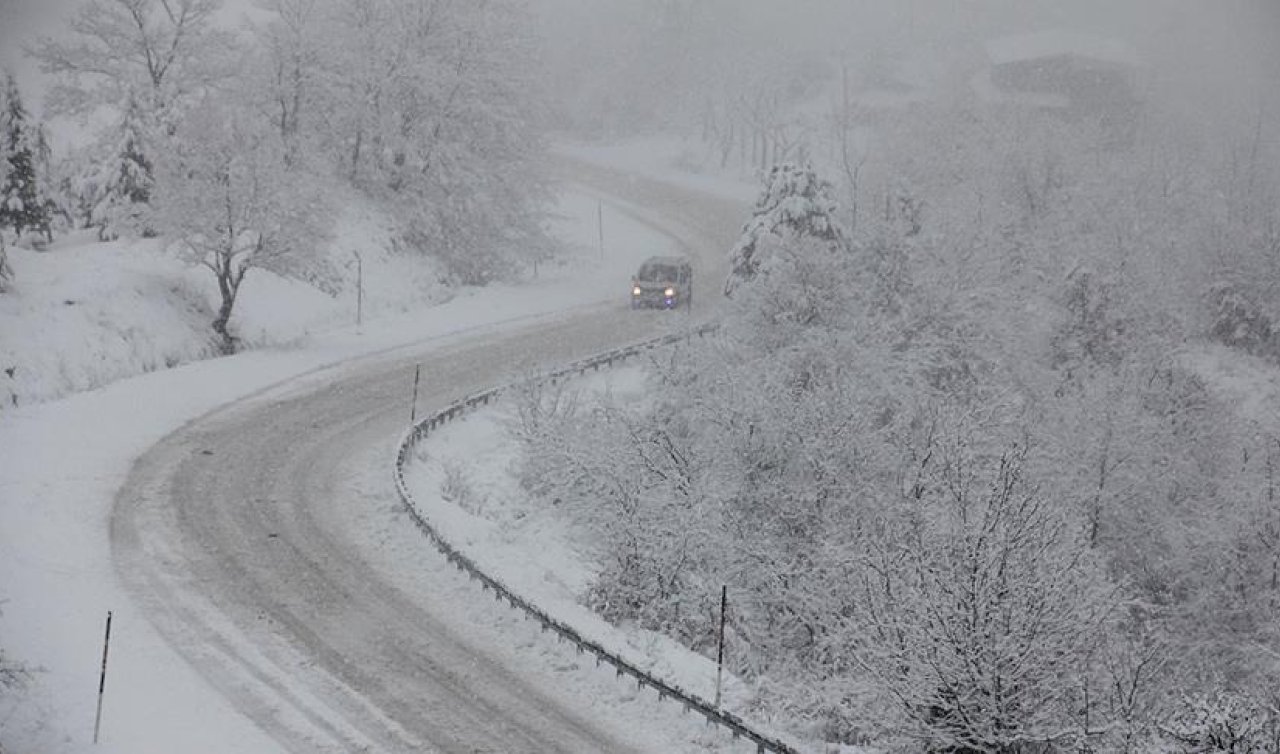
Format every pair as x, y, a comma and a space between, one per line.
724, 599
359, 290
600, 225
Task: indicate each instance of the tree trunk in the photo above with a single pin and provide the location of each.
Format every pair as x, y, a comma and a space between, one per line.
228, 286
226, 343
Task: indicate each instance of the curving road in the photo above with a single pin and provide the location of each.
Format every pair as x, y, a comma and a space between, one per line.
242, 537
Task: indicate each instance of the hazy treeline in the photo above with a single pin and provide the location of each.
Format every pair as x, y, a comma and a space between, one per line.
962, 452
982, 450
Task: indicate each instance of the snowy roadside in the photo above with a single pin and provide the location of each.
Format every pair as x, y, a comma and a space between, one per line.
463, 478
64, 460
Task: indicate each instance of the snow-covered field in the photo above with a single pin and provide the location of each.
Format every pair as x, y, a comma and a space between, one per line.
64, 460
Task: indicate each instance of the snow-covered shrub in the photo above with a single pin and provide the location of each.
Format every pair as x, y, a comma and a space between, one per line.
457, 488
978, 606
14, 677
1225, 721
1239, 321
1091, 335
543, 424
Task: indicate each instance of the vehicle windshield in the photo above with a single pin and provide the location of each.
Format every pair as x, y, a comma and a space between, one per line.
657, 273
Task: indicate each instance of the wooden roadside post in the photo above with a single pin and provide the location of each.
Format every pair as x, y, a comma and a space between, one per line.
102, 679
724, 598
413, 411
359, 291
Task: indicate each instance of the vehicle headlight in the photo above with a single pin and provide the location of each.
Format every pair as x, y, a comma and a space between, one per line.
670, 293
635, 290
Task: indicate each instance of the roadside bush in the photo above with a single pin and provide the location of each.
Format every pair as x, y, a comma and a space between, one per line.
1239, 321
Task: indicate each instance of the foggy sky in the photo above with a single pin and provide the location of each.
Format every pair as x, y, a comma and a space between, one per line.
1212, 58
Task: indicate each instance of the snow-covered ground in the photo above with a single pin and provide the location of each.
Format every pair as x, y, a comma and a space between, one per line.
63, 461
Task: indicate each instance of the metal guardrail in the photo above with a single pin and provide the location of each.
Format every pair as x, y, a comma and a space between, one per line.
734, 724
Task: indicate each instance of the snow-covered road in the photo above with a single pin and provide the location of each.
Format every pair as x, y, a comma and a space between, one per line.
289, 615
265, 543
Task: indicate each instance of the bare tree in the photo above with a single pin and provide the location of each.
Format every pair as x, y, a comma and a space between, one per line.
225, 204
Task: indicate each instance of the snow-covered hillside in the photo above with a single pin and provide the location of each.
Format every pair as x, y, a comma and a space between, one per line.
84, 313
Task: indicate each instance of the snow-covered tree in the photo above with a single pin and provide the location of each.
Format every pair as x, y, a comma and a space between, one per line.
78, 178
224, 201
166, 52
432, 106
22, 206
979, 615
290, 74
122, 189
794, 204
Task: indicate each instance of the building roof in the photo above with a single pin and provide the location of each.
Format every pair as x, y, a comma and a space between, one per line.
1047, 44
988, 92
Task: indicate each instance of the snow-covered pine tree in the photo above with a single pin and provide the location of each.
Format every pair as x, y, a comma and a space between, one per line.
21, 206
46, 176
124, 190
795, 204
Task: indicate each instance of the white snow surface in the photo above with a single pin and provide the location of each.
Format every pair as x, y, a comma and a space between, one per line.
62, 462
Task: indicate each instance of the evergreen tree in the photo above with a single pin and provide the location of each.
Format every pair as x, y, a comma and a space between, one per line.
46, 181
21, 206
795, 204
125, 187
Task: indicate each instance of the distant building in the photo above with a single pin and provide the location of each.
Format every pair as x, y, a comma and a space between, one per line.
1076, 73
